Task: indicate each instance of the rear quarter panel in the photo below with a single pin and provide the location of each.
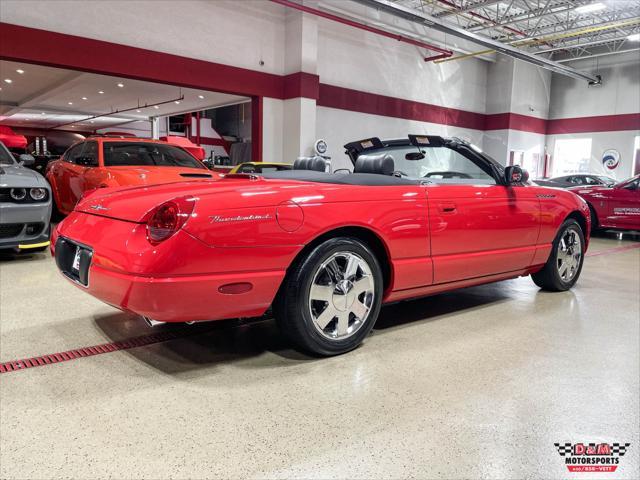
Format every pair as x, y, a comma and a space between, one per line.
555, 206
295, 214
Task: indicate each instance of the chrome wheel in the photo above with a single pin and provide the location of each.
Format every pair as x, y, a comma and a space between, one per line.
341, 295
569, 255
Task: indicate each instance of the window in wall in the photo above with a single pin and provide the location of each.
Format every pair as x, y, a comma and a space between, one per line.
571, 155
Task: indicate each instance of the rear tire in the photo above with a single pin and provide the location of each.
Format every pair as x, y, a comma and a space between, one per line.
564, 265
330, 299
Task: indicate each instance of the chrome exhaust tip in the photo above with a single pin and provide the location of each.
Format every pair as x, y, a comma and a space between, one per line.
152, 323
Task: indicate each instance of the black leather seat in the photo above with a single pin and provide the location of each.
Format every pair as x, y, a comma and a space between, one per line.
382, 164
316, 164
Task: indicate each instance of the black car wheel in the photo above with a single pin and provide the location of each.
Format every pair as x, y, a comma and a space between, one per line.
331, 299
564, 265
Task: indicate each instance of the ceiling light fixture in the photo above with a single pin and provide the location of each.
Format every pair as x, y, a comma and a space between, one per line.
70, 103
100, 92
84, 98
120, 85
634, 37
20, 71
156, 107
138, 111
592, 7
200, 97
42, 113
177, 102
8, 80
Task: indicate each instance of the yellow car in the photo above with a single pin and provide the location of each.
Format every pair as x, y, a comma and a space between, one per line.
260, 167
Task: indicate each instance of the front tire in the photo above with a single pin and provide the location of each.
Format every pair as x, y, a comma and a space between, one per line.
330, 299
564, 265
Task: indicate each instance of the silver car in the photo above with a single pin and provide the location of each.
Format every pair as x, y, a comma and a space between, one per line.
25, 204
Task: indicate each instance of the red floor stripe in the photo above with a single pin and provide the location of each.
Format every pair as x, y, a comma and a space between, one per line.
15, 365
613, 250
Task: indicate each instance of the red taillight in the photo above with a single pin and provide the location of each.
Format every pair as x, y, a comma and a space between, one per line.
166, 219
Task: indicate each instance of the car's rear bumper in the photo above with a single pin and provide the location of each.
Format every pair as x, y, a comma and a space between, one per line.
184, 299
180, 280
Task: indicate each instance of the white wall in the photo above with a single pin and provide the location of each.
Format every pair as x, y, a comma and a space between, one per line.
364, 61
619, 94
272, 130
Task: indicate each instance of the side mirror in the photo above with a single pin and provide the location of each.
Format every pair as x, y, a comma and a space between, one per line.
208, 162
515, 175
26, 159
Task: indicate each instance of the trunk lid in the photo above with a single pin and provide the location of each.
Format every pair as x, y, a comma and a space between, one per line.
132, 203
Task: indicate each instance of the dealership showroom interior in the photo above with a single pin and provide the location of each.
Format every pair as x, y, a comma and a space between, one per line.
346, 239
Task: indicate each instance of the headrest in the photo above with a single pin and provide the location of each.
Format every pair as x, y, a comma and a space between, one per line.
310, 163
382, 164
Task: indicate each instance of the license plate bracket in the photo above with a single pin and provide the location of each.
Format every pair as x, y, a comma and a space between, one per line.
74, 260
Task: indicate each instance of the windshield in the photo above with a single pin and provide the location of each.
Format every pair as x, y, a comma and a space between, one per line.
439, 165
147, 154
5, 156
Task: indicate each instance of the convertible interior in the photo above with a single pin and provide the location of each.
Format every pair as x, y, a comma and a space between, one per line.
399, 162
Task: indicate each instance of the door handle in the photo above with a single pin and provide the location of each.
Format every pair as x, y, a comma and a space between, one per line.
447, 207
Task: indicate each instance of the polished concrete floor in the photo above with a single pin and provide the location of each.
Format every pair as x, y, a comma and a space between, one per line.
475, 383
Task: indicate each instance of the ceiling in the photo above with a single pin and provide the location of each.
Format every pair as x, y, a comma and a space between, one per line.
562, 29
46, 97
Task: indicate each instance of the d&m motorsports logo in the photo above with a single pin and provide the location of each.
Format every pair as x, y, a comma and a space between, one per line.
592, 457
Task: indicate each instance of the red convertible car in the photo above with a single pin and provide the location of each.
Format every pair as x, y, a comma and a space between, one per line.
112, 161
616, 207
416, 217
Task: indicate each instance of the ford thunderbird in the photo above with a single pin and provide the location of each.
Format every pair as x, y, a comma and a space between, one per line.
415, 217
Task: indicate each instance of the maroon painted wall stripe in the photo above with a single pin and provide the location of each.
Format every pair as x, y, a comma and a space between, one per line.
364, 102
53, 49
605, 123
515, 121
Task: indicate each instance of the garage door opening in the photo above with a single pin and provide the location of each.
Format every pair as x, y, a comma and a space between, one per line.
44, 110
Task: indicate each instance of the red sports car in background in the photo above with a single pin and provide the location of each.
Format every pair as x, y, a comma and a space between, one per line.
109, 161
616, 207
417, 217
